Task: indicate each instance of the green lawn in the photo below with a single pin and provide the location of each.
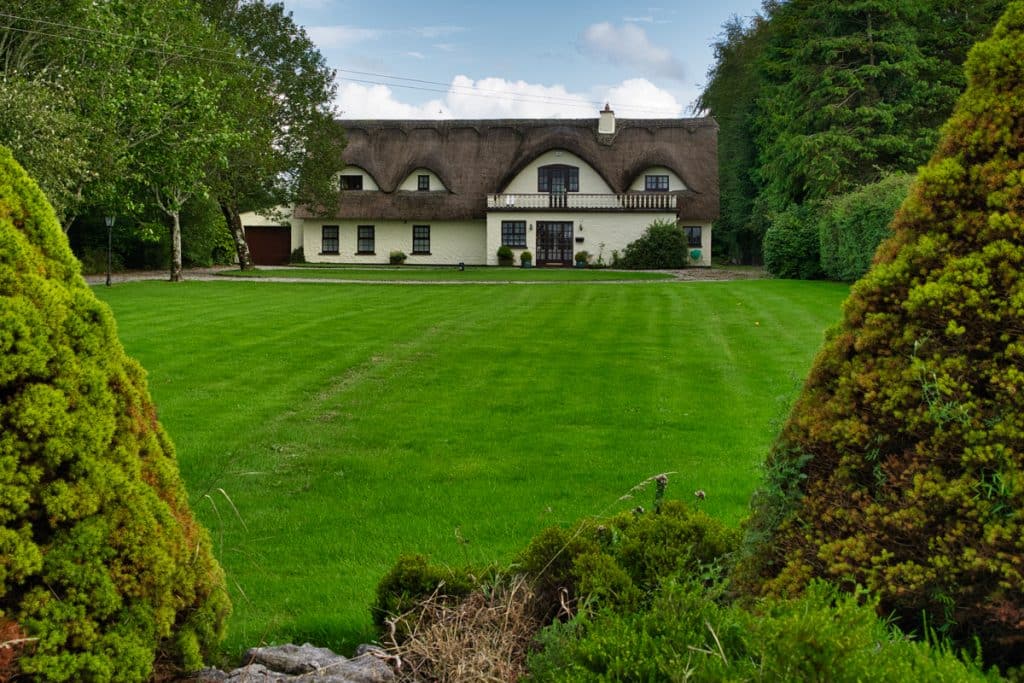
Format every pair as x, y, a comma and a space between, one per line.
450, 274
351, 423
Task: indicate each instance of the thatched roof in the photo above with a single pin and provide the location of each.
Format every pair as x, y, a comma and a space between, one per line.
476, 158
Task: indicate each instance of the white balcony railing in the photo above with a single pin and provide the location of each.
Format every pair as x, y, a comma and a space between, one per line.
624, 201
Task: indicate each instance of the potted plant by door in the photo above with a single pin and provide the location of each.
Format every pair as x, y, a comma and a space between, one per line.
526, 259
505, 256
582, 258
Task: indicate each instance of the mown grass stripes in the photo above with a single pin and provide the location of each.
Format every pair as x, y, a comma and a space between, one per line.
351, 423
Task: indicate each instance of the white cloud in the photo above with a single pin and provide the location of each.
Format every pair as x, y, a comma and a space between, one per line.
493, 98
415, 55
434, 32
340, 35
628, 44
639, 98
639, 20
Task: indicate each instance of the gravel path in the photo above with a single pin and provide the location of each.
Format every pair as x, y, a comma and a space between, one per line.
193, 274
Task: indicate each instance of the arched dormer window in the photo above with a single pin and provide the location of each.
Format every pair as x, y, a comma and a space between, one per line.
558, 179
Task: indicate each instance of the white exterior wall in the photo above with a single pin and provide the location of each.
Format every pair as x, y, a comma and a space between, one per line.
526, 181
613, 230
675, 183
451, 242
412, 182
280, 216
369, 184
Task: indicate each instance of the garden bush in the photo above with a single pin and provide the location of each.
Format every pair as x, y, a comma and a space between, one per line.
905, 451
791, 244
662, 245
505, 255
690, 633
853, 225
617, 561
412, 580
102, 564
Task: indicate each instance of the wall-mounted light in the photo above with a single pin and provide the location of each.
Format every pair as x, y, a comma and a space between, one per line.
581, 227
531, 227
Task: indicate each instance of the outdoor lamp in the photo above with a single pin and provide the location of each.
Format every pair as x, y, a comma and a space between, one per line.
109, 220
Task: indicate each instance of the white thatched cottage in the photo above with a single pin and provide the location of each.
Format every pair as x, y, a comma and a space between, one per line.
454, 191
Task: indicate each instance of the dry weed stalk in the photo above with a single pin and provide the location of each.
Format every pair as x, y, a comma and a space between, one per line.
484, 637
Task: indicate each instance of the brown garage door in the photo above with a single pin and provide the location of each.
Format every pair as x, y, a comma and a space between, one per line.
269, 245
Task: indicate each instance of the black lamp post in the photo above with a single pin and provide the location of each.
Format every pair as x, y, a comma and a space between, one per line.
109, 220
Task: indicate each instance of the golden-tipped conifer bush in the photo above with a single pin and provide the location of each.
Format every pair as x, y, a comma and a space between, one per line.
901, 466
103, 568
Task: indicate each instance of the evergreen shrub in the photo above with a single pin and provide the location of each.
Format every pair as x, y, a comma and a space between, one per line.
689, 633
662, 245
853, 225
905, 450
791, 244
101, 560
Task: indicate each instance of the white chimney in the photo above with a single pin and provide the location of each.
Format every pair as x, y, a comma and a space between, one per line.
606, 126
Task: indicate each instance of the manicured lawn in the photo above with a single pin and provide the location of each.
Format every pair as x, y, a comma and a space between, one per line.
451, 274
351, 423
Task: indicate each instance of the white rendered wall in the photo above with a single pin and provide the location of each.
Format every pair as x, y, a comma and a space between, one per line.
675, 184
602, 233
411, 183
369, 184
451, 242
525, 181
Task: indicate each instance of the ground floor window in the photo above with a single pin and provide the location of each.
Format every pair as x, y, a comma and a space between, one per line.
693, 236
421, 239
513, 233
329, 239
365, 239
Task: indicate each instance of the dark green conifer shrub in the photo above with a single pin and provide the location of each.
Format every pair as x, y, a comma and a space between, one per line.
101, 559
791, 244
662, 245
907, 443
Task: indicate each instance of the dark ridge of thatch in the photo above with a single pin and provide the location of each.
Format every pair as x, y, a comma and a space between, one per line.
474, 158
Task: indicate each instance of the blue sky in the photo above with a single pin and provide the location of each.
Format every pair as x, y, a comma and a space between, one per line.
526, 59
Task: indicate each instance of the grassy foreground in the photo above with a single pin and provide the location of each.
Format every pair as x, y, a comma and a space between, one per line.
351, 423
451, 274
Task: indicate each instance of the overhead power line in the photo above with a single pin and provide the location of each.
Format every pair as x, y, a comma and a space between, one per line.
169, 49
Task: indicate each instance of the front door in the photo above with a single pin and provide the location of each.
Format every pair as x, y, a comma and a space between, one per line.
554, 243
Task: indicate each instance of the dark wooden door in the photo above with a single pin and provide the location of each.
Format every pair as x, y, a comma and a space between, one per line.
269, 245
554, 243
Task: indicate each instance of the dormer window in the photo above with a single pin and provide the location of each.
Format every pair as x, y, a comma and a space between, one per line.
656, 183
558, 179
351, 182
423, 183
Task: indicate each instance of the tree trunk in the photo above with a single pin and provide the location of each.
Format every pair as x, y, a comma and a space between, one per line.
176, 247
234, 221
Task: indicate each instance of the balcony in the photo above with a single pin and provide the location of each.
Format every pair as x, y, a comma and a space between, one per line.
576, 201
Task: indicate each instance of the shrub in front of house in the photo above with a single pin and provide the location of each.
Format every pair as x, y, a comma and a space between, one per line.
397, 258
662, 245
102, 565
526, 259
901, 466
505, 255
